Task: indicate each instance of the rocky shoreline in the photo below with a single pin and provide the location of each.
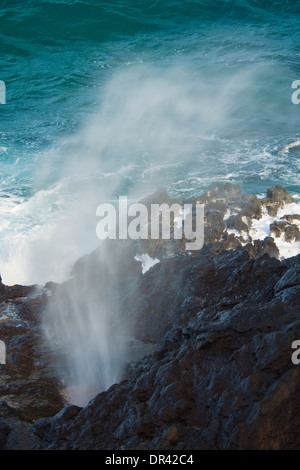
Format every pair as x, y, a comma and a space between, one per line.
222, 321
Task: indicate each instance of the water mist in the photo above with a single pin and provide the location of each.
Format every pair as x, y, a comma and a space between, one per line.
150, 121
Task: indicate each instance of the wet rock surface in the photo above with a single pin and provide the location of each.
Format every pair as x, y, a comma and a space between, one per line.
29, 388
222, 377
222, 320
229, 216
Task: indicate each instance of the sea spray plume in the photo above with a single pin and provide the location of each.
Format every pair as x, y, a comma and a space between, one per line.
55, 227
148, 118
86, 328
151, 128
154, 114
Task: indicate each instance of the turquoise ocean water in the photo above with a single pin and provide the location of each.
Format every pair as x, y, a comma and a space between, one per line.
122, 97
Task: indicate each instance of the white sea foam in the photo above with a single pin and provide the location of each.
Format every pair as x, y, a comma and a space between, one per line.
147, 261
233, 231
261, 229
291, 146
227, 214
287, 249
236, 233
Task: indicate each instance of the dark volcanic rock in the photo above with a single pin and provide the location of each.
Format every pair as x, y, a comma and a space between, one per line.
253, 208
228, 193
214, 225
235, 222
222, 320
291, 231
222, 377
276, 197
228, 242
227, 208
291, 217
266, 246
277, 228
4, 431
29, 387
279, 194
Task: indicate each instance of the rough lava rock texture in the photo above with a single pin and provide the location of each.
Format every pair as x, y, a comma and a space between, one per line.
29, 388
222, 377
228, 218
223, 320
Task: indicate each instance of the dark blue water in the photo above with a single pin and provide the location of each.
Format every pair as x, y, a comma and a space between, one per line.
119, 98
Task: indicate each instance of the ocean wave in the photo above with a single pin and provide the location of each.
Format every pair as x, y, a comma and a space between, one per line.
290, 146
